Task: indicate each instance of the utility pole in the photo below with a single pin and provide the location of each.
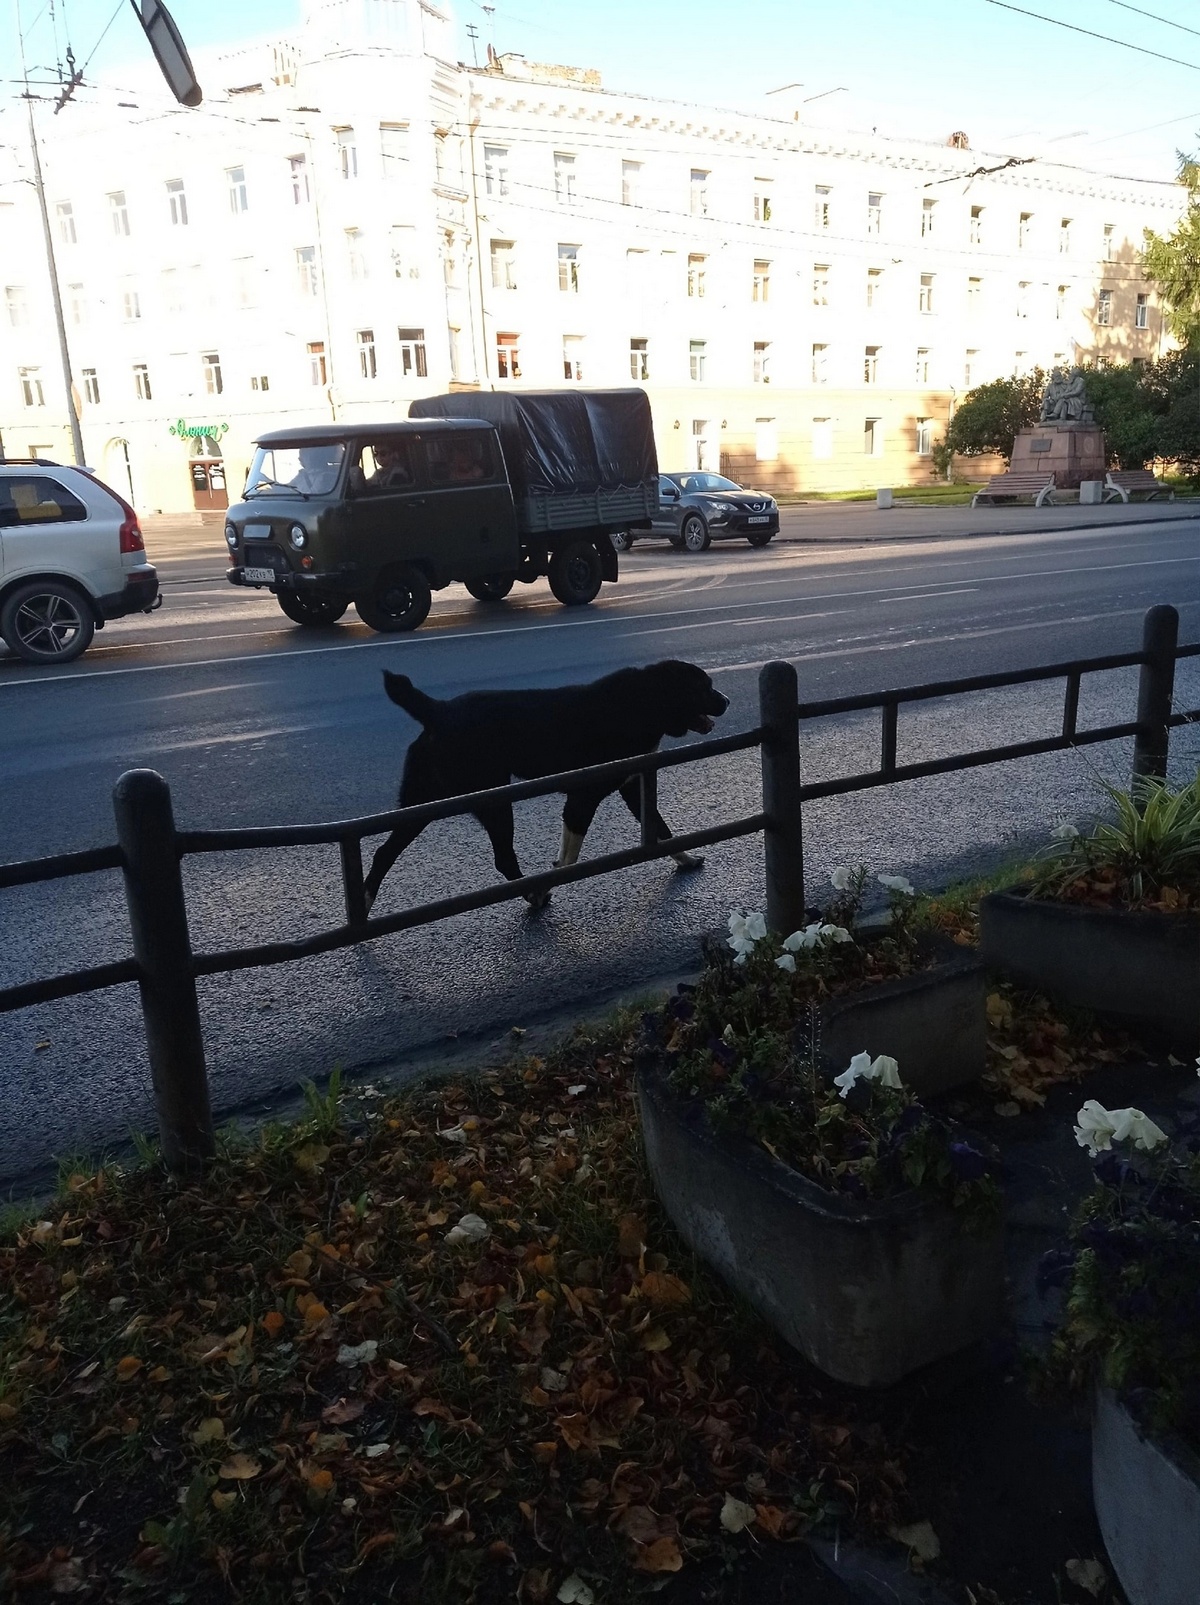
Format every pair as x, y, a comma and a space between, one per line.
47, 234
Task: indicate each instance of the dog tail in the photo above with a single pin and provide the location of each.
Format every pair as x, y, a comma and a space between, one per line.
402, 691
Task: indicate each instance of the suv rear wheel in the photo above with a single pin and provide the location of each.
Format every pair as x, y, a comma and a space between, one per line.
47, 621
622, 540
575, 574
400, 601
761, 537
491, 587
311, 610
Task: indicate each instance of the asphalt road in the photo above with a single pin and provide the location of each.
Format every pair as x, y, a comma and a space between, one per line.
254, 721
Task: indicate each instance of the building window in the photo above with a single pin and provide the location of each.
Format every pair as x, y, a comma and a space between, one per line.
564, 178
572, 356
874, 286
131, 304
822, 438
1109, 235
699, 192
925, 293
631, 183
66, 222
639, 359
508, 356
1141, 314
1020, 361
568, 269
141, 381
119, 213
412, 353
928, 208
820, 284
873, 437
762, 200
259, 381
298, 168
697, 359
870, 365
91, 386
1023, 293
760, 288
306, 269
1104, 309
317, 371
16, 305
874, 212
1064, 237
1024, 230
922, 375
31, 387
347, 149
239, 200
504, 265
214, 384
762, 362
924, 437
970, 367
822, 198
495, 170
766, 440
393, 150
974, 295
355, 255
695, 273
975, 234
77, 302
820, 364
1060, 301
177, 202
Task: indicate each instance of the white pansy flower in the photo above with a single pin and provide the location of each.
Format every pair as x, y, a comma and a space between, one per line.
744, 931
841, 878
470, 1229
835, 933
1064, 833
897, 883
785, 961
1132, 1123
858, 1068
886, 1071
794, 942
1198, 1064
1096, 1128
729, 1035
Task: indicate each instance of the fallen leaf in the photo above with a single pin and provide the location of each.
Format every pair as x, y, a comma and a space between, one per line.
320, 1480
574, 1591
660, 1556
660, 1287
358, 1353
920, 1538
1008, 1109
470, 1229
222, 1498
337, 1415
210, 1430
656, 1340
273, 1322
240, 1468
631, 1233
315, 1313
128, 1367
736, 1516
1089, 1575
311, 1157
67, 1576
299, 1263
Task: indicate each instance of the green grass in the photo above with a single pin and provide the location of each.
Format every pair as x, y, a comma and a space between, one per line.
935, 494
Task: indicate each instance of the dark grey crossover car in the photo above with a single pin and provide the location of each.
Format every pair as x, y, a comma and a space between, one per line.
696, 508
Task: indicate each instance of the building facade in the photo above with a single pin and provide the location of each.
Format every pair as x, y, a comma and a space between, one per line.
353, 219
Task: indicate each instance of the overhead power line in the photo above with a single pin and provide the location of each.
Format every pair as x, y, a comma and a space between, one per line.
1105, 37
1166, 21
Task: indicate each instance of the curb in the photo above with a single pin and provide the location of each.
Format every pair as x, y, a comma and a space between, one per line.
874, 1578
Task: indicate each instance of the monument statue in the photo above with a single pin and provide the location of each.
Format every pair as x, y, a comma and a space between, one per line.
1065, 400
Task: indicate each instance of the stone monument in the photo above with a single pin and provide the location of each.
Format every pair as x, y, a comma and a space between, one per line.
1067, 442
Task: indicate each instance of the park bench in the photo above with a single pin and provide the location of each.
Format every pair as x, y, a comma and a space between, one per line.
1123, 484
1000, 486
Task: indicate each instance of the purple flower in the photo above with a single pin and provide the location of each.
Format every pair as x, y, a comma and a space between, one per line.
967, 1163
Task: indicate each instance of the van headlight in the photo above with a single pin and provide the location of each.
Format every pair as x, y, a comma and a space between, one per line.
231, 535
297, 535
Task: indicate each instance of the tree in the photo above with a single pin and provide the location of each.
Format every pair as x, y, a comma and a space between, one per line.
1172, 388
1126, 409
988, 418
1173, 261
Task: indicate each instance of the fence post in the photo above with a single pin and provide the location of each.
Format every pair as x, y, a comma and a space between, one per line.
163, 950
783, 838
1156, 688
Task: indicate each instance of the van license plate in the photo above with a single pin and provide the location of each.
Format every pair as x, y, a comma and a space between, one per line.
260, 576
763, 520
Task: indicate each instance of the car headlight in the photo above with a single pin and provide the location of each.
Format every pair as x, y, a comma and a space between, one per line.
716, 511
297, 535
231, 535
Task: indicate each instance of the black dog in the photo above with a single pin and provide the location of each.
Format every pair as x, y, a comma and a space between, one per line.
484, 739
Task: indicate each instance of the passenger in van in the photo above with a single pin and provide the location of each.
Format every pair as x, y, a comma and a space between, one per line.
466, 462
391, 471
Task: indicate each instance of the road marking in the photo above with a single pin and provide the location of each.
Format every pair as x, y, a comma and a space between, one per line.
208, 691
230, 740
734, 624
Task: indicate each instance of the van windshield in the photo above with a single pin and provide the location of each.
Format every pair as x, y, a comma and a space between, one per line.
310, 470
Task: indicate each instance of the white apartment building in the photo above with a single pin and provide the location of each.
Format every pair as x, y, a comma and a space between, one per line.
353, 219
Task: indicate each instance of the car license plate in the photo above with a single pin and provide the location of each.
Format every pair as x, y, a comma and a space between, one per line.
763, 519
260, 576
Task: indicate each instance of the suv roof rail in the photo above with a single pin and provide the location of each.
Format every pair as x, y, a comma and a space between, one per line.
22, 462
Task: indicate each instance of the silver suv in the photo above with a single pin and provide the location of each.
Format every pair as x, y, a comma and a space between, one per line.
71, 558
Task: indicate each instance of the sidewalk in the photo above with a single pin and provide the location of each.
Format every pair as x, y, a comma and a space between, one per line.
862, 521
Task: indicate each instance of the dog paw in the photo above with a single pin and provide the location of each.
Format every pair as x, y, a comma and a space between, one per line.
537, 901
689, 860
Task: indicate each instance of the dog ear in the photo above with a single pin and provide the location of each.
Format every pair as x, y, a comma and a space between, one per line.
397, 686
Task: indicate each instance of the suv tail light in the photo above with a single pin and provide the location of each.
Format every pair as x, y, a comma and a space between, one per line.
131, 535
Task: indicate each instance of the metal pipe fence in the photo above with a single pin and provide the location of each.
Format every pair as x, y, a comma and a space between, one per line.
150, 848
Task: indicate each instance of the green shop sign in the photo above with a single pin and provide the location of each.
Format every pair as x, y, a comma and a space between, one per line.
186, 431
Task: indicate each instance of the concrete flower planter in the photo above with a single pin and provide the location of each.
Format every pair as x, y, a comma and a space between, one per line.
1141, 970
1147, 1497
868, 1291
934, 1023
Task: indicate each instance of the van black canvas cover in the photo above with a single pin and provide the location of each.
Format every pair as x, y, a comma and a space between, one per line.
561, 442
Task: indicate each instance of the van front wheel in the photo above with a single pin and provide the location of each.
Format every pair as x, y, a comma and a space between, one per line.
400, 601
575, 574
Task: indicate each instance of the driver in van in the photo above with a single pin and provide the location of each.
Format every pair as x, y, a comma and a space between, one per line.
318, 468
